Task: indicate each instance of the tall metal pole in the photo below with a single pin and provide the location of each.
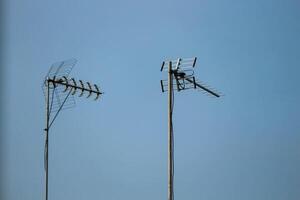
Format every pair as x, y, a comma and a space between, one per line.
170, 133
47, 136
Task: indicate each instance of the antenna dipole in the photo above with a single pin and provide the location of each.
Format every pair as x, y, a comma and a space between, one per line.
181, 74
58, 90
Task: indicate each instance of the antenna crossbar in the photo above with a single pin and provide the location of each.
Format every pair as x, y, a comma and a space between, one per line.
74, 86
202, 87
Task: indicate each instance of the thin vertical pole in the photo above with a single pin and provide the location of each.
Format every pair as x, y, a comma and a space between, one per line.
170, 133
47, 136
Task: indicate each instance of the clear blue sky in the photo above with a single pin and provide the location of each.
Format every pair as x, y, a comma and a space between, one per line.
244, 146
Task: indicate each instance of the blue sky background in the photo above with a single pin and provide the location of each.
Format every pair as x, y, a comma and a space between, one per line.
244, 146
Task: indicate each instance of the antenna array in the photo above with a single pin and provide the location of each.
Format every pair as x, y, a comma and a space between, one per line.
180, 74
59, 92
183, 76
72, 86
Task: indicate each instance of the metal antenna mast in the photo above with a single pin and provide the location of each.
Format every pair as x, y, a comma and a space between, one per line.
180, 74
59, 91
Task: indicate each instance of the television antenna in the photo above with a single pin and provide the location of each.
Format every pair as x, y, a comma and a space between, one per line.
59, 91
181, 74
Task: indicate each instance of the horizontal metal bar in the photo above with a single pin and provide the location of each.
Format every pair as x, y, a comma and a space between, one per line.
181, 60
174, 67
164, 83
61, 82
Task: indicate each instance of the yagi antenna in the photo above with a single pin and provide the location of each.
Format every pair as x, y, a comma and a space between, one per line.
59, 91
180, 74
182, 71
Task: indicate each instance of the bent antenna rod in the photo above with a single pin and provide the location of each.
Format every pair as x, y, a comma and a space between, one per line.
180, 75
60, 91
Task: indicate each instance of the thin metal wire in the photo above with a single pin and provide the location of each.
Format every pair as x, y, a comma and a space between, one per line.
60, 108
